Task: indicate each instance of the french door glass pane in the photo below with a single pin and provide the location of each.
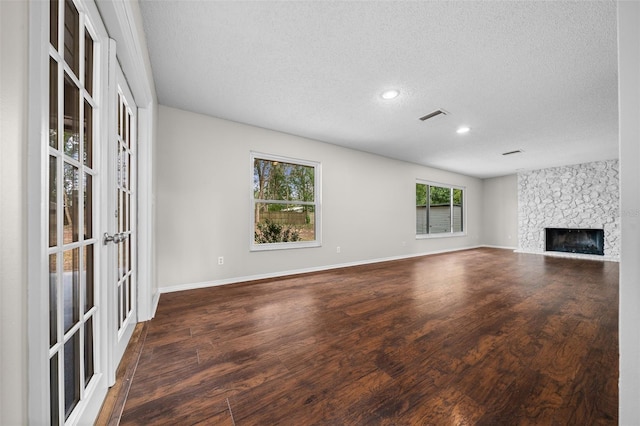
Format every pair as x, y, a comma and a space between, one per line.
71, 118
128, 138
53, 103
71, 286
70, 196
53, 390
125, 221
88, 62
119, 303
126, 295
53, 201
125, 168
88, 135
71, 36
88, 350
53, 23
71, 373
88, 272
121, 270
88, 206
53, 299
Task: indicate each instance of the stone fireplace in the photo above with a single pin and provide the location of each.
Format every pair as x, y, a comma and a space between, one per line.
580, 197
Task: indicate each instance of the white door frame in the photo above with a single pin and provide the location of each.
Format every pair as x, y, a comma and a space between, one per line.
124, 25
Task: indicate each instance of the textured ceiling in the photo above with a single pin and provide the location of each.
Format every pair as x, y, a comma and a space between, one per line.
540, 77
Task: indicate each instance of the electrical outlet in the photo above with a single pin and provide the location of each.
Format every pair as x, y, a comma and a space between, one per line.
338, 249
221, 260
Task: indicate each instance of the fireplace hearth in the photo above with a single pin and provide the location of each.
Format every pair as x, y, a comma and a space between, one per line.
571, 240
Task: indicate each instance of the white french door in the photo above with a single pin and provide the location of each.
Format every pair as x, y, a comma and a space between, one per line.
121, 207
75, 306
89, 190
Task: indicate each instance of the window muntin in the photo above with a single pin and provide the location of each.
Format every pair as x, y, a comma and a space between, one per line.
285, 202
439, 209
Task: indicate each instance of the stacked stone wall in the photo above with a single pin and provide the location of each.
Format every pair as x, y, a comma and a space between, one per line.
579, 196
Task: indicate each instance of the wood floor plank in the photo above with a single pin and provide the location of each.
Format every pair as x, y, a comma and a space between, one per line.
483, 336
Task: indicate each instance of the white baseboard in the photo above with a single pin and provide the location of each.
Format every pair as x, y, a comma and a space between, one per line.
234, 280
500, 247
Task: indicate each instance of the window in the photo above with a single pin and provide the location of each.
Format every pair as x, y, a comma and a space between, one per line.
286, 202
439, 209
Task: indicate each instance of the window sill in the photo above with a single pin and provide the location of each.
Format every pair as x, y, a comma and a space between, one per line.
284, 246
440, 235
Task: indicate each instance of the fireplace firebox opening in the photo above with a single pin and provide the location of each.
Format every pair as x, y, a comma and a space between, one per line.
571, 240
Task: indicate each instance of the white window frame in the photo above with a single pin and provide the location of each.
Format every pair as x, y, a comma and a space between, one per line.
317, 166
451, 233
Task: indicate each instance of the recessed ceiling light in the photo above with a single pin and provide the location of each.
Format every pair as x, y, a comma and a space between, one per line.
463, 129
390, 94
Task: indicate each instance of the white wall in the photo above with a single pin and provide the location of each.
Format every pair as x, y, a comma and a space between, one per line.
629, 110
13, 216
204, 187
500, 211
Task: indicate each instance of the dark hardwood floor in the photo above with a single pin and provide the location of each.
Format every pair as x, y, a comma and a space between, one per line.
483, 336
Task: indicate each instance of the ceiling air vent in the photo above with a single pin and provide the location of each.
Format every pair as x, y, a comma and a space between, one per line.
517, 151
434, 114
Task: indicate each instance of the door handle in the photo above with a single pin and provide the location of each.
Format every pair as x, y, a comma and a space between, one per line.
115, 238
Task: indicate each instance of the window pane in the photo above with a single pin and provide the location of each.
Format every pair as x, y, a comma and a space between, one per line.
70, 202
88, 62
457, 211
53, 299
439, 210
277, 223
72, 36
71, 118
53, 23
53, 201
88, 351
422, 223
88, 206
89, 278
70, 286
274, 180
71, 374
53, 103
53, 390
88, 135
